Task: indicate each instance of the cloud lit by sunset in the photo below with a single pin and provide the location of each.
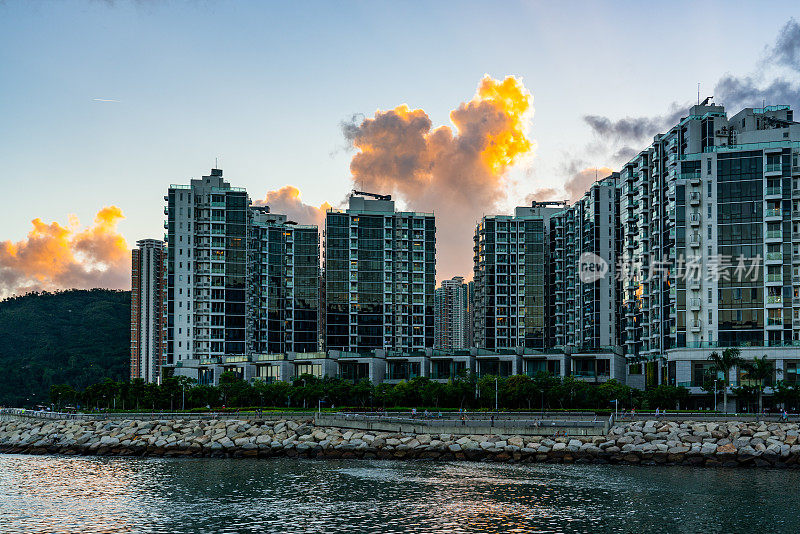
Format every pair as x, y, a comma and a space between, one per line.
59, 257
287, 201
459, 173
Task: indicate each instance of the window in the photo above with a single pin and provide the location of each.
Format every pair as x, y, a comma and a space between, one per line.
709, 211
709, 189
708, 167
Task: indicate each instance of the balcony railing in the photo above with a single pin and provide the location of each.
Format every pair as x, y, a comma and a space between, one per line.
773, 167
774, 234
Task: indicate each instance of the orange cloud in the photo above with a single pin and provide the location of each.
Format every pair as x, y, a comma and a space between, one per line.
63, 257
459, 173
580, 181
286, 200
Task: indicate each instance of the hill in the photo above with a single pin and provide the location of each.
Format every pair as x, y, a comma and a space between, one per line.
76, 337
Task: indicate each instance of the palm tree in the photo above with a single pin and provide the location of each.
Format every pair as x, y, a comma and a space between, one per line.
759, 370
724, 363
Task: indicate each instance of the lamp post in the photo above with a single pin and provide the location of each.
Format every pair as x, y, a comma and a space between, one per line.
715, 395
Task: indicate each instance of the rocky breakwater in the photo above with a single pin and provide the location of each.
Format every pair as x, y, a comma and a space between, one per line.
645, 442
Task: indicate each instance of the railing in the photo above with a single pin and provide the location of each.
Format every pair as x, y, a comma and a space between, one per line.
773, 190
151, 415
772, 167
772, 212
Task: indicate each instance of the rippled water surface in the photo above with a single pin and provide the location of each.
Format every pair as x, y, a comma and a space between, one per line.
66, 494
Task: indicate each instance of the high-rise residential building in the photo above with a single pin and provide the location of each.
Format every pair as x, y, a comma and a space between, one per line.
379, 277
207, 271
146, 310
584, 241
451, 315
471, 313
239, 281
510, 275
284, 284
709, 216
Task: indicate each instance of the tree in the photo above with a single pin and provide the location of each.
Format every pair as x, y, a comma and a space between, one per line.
666, 395
760, 369
787, 394
463, 387
61, 394
723, 363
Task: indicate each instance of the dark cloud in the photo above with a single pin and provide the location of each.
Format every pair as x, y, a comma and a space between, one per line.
741, 92
634, 128
786, 51
737, 92
624, 154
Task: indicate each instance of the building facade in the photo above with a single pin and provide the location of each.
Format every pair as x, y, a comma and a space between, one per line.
239, 281
709, 220
284, 284
147, 333
379, 277
511, 274
206, 270
452, 315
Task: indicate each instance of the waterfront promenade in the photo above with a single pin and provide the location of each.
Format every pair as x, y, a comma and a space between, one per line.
733, 443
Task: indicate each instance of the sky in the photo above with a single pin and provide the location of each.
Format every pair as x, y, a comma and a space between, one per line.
103, 104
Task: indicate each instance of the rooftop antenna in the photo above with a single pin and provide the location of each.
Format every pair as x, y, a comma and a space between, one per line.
216, 163
698, 93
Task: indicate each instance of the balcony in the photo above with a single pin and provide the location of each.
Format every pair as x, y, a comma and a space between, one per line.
774, 300
694, 240
773, 191
774, 235
774, 279
694, 198
774, 256
772, 167
772, 212
695, 304
694, 219
695, 326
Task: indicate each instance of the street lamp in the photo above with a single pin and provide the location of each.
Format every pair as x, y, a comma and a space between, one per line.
715, 395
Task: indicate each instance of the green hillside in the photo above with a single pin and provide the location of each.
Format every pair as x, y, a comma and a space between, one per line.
76, 337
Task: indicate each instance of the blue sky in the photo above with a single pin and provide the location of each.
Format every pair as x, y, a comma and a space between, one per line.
264, 86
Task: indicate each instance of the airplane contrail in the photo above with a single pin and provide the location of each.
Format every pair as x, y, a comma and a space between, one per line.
105, 100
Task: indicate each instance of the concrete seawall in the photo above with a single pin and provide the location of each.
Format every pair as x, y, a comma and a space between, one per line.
734, 444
